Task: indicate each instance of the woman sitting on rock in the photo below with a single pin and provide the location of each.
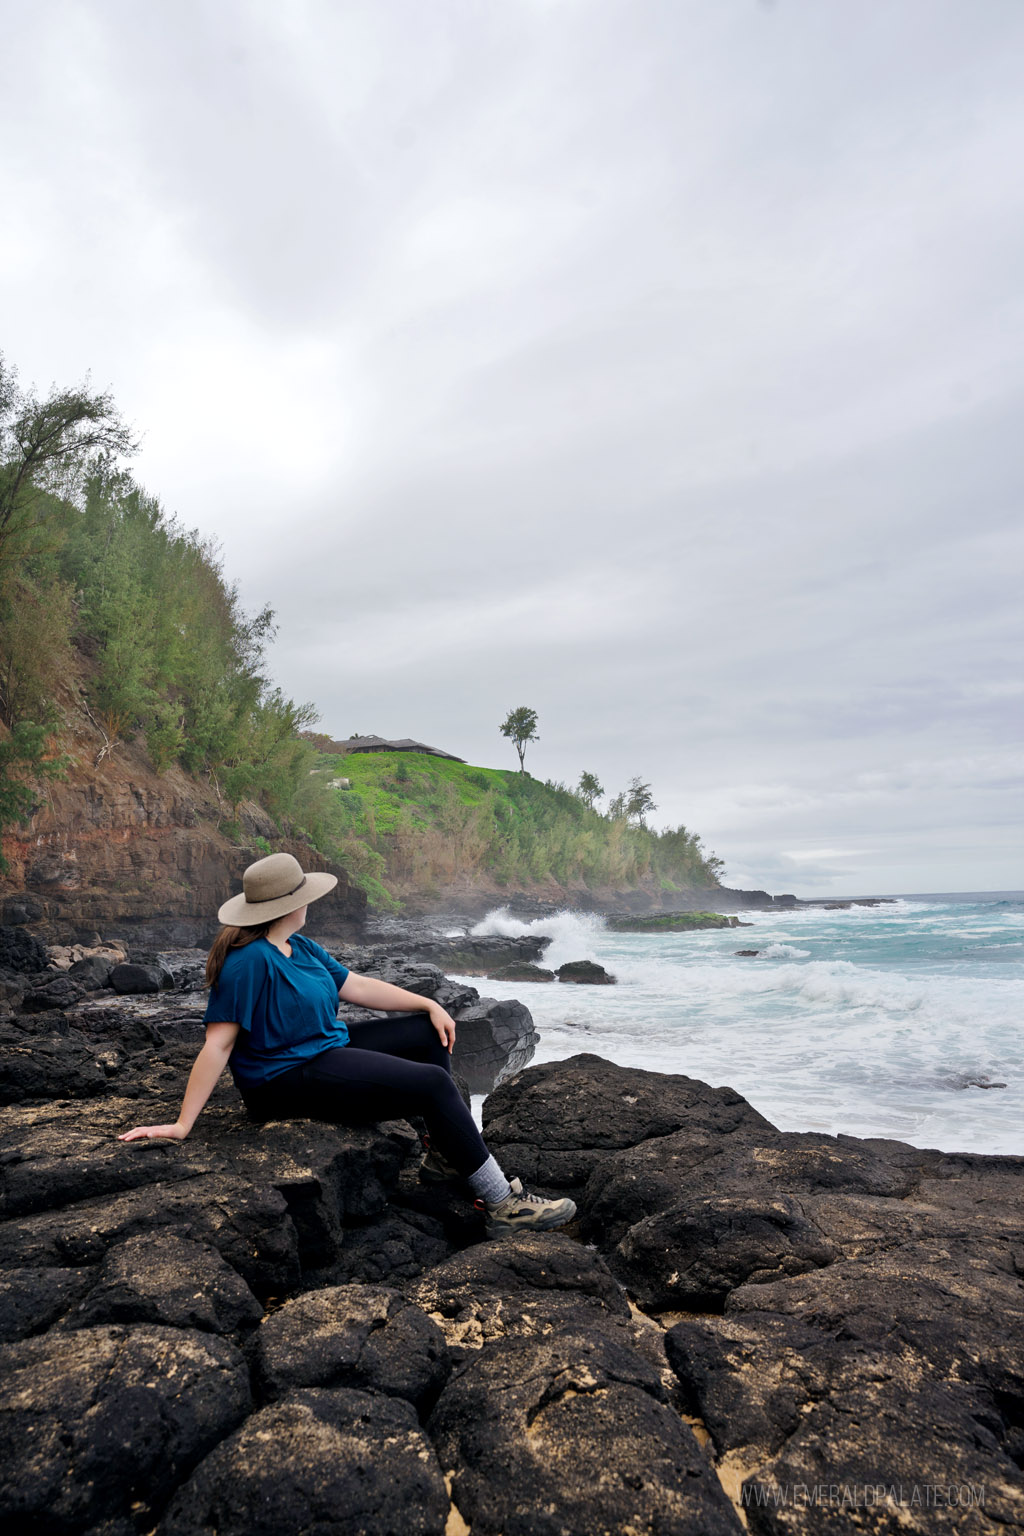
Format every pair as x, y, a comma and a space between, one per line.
272, 1017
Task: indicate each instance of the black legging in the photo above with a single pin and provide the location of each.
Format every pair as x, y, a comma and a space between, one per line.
393, 1068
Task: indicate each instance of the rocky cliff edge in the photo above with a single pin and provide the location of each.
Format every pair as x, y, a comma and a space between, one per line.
115, 848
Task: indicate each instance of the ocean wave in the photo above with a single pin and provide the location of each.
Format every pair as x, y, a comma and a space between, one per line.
785, 952
573, 935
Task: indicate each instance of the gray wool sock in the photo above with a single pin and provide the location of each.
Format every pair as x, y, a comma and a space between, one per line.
489, 1183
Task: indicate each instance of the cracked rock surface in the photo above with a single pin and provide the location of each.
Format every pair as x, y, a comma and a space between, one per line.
276, 1329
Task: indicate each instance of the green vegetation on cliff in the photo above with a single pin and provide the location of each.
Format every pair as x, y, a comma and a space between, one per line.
431, 822
108, 604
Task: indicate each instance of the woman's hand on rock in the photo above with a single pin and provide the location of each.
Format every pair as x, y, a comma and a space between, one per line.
152, 1132
444, 1024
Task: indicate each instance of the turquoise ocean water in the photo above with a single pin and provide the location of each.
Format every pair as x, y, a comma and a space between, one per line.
875, 1021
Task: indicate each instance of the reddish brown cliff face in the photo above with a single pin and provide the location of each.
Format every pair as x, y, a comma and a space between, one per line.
116, 847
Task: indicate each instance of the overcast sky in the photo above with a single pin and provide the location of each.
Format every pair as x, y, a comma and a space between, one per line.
654, 363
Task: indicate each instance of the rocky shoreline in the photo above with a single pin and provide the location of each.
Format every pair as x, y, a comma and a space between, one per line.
279, 1329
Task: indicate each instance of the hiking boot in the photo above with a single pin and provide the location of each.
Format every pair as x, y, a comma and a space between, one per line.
436, 1169
521, 1212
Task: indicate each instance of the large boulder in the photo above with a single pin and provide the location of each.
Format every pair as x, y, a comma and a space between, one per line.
524, 1286
829, 1432
333, 1463
692, 1255
585, 973
250, 1227
100, 1425
169, 1279
31, 1300
134, 979
569, 1435
273, 1200
365, 1336
521, 970
493, 1041
553, 1125
91, 972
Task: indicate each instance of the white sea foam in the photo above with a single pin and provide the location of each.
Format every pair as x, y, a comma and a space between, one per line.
871, 1021
574, 935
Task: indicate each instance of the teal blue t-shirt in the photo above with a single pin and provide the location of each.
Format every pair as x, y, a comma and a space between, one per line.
287, 1007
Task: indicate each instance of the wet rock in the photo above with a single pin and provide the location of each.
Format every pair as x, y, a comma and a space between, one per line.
186, 968
31, 1300
569, 1434
337, 1463
466, 954
361, 1336
585, 973
54, 992
521, 970
164, 1278
750, 953
101, 1424
134, 979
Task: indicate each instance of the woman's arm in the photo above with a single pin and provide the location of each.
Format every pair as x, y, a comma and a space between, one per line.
369, 992
202, 1080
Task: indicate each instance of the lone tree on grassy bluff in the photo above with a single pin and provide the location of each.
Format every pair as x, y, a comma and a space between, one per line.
520, 725
589, 789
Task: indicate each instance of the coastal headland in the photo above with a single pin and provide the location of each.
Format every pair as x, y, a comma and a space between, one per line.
280, 1329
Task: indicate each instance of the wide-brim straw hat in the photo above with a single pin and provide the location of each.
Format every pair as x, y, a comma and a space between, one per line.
273, 887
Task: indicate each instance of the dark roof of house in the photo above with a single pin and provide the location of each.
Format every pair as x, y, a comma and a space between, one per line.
380, 744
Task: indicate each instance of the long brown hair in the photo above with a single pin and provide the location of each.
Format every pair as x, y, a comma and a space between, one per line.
230, 938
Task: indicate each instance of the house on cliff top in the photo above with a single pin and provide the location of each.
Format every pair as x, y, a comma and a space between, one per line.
378, 744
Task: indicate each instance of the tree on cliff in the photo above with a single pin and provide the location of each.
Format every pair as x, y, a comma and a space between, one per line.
48, 448
633, 804
589, 789
639, 802
521, 726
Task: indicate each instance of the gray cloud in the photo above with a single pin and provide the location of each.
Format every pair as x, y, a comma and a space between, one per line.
656, 364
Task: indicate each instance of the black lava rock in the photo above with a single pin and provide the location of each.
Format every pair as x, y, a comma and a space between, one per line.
337, 1463
21, 951
138, 979
585, 973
